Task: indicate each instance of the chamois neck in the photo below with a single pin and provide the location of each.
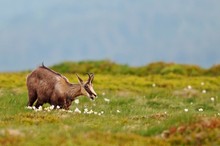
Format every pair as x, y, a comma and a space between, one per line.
74, 91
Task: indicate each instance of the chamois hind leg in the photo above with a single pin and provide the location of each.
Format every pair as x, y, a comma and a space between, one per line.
32, 97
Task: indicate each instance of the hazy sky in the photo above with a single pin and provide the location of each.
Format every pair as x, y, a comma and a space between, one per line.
126, 31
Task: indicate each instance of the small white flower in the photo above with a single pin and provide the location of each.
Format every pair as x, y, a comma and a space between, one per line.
218, 114
70, 111
103, 93
40, 108
186, 109
102, 112
165, 112
203, 91
51, 107
29, 107
189, 87
107, 100
118, 111
200, 110
95, 113
153, 85
58, 107
212, 99
90, 112
86, 110
76, 101
202, 83
99, 114
77, 111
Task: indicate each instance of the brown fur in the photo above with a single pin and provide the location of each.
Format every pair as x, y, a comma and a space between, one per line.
47, 86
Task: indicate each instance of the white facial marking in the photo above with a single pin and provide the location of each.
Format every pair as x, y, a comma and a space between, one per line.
92, 90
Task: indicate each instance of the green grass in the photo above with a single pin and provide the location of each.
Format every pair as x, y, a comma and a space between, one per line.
137, 114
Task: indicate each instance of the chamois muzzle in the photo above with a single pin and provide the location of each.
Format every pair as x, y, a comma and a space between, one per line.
89, 89
93, 96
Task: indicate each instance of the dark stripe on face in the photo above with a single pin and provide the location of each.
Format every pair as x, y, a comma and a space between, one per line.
88, 90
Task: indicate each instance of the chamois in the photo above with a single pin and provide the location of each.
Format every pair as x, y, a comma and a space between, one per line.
47, 86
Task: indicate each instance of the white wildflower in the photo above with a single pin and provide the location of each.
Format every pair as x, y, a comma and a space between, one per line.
40, 108
70, 111
200, 109
165, 112
212, 99
51, 107
186, 109
118, 111
58, 107
76, 101
203, 91
90, 112
202, 83
103, 93
107, 100
153, 85
95, 113
189, 87
86, 110
29, 107
77, 111
102, 112
99, 114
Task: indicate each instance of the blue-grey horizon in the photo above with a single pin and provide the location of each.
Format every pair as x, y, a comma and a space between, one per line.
124, 31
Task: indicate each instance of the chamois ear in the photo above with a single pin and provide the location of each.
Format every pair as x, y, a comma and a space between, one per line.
79, 79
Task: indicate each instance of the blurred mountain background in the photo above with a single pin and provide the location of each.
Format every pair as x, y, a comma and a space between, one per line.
124, 31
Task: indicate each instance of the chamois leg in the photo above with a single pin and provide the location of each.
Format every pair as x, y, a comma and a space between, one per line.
63, 103
32, 98
53, 100
68, 103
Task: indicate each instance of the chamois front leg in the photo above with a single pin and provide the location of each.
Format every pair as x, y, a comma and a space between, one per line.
65, 104
68, 102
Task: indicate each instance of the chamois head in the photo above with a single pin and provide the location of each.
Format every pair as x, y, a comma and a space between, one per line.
87, 87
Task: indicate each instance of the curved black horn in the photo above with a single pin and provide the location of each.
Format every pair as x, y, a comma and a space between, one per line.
89, 80
92, 77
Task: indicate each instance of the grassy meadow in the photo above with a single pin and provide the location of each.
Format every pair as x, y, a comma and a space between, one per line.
131, 110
